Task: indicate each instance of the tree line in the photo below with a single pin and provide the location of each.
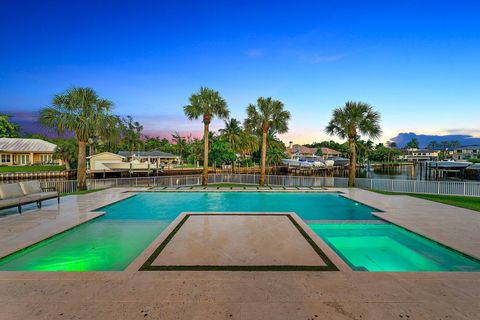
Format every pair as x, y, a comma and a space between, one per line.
95, 128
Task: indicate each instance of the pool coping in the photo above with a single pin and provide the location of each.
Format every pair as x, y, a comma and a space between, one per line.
147, 265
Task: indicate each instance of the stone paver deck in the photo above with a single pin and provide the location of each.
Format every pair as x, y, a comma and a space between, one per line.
238, 239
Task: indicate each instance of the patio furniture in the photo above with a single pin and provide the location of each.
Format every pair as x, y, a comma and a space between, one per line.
18, 194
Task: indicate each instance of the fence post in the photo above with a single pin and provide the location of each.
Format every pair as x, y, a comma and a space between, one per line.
438, 187
371, 184
464, 188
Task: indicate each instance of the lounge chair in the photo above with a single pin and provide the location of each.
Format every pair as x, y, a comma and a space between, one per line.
18, 194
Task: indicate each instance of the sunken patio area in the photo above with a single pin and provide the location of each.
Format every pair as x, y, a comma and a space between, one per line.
249, 293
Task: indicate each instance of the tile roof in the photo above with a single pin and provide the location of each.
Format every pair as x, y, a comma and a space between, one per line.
329, 151
26, 145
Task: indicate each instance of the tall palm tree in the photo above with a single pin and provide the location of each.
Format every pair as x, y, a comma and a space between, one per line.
348, 122
206, 103
81, 111
232, 133
268, 115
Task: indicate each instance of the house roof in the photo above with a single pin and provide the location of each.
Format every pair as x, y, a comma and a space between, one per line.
105, 153
154, 153
326, 150
26, 145
299, 149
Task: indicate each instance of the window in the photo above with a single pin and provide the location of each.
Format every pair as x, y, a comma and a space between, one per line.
46, 158
5, 158
23, 159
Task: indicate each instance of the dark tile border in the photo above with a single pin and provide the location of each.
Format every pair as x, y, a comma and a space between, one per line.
147, 266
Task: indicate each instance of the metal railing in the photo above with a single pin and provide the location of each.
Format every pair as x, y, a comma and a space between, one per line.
390, 185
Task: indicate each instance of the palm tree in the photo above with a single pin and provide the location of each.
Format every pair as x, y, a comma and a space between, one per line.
232, 133
66, 151
268, 115
349, 121
248, 143
81, 111
432, 145
207, 104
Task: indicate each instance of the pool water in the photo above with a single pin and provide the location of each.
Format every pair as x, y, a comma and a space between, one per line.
308, 206
114, 240
386, 247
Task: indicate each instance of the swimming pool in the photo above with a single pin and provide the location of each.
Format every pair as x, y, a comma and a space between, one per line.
113, 241
386, 247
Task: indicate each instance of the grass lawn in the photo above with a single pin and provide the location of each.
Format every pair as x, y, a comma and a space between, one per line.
31, 168
472, 203
229, 185
79, 192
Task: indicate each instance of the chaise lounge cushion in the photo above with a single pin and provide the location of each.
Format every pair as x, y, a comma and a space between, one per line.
38, 196
30, 187
4, 203
10, 190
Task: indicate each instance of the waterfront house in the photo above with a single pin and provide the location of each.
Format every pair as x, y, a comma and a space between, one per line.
21, 152
416, 155
467, 153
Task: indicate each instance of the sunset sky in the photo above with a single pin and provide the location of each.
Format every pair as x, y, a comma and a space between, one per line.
417, 62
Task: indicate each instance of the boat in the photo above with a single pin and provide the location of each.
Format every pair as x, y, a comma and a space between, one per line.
306, 161
339, 161
449, 164
134, 165
297, 163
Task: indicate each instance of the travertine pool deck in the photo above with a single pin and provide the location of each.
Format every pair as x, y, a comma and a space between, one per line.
342, 294
239, 241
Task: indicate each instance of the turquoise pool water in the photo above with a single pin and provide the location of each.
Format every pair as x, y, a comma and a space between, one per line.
309, 206
113, 241
386, 247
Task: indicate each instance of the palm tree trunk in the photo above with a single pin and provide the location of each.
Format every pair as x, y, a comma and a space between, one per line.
67, 164
82, 166
263, 158
205, 155
353, 162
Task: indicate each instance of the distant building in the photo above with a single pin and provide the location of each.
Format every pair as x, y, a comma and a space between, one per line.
330, 153
416, 155
299, 150
467, 153
97, 161
22, 152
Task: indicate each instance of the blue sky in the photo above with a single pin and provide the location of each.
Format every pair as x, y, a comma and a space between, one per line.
417, 62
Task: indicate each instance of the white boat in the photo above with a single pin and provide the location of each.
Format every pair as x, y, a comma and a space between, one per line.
449, 164
339, 161
133, 165
297, 163
306, 161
